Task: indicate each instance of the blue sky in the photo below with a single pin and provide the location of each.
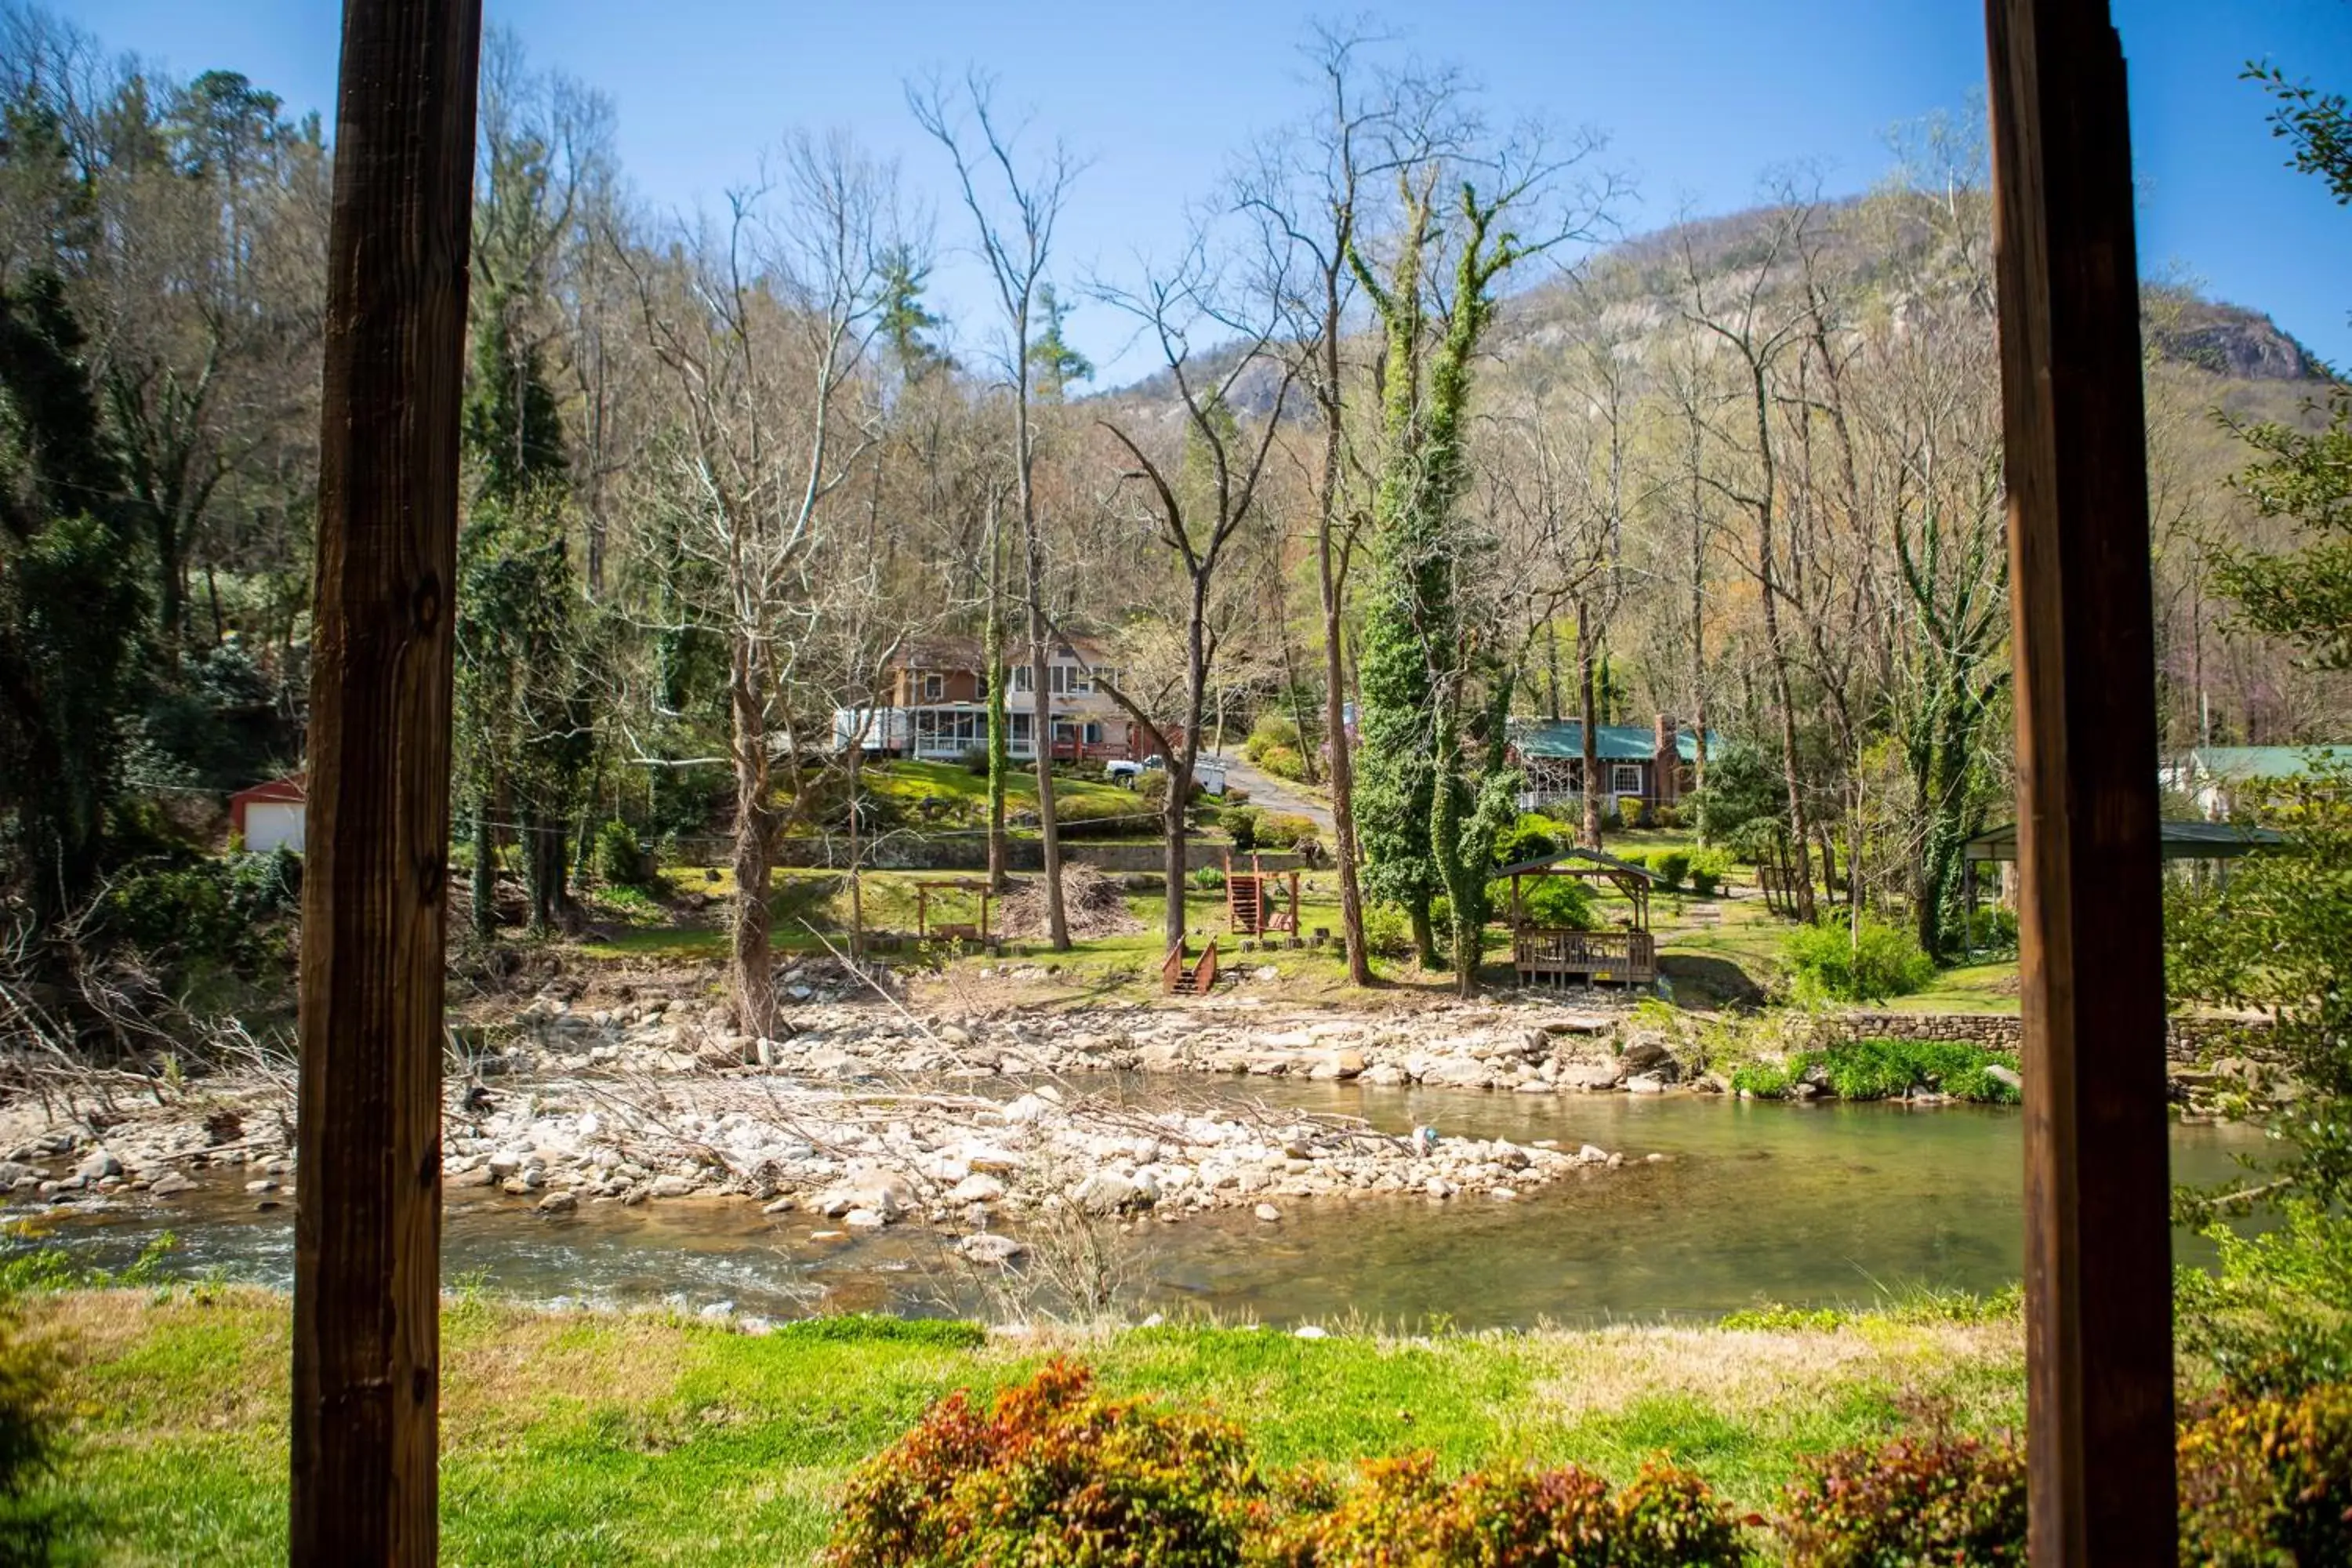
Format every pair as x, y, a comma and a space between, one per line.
1699, 98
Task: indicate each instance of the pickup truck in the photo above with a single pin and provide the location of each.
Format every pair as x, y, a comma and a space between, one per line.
1210, 777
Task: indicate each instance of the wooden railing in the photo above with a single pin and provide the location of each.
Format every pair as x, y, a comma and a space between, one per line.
1625, 957
1199, 978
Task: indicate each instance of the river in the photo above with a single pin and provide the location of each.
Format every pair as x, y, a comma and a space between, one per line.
1755, 1203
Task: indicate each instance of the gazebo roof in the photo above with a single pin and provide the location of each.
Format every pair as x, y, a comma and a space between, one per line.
2189, 839
1590, 857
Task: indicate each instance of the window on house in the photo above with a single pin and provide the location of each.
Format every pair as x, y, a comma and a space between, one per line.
934, 688
1626, 779
1020, 678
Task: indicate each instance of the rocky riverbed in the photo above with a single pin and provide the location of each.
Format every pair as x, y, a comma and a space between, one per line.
861, 1114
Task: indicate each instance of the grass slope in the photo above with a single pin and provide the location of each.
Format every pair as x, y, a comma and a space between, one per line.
588, 1439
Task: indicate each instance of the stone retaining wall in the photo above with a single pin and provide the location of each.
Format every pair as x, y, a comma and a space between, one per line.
2186, 1040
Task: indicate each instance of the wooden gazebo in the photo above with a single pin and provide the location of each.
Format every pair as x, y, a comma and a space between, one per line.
2098, 1287
1543, 954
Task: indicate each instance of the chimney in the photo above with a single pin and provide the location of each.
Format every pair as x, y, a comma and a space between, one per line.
1666, 761
1666, 734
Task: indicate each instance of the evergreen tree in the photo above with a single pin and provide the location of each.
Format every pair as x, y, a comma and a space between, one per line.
71, 610
1056, 364
525, 727
907, 326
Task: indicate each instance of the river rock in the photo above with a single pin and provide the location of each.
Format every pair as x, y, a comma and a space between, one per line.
12, 1171
864, 1220
98, 1166
2008, 1076
1593, 1077
170, 1184
1453, 1072
1268, 1213
1108, 1191
1645, 1083
558, 1203
976, 1189
672, 1186
989, 1246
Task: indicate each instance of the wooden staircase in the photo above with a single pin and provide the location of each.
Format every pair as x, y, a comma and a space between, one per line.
1252, 902
1193, 977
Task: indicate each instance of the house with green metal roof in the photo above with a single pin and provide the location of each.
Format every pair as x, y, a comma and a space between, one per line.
2226, 780
1656, 765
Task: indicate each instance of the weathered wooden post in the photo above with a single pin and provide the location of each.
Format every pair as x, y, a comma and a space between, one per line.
368, 1221
2098, 1254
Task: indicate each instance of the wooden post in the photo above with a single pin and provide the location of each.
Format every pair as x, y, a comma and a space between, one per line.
368, 1136
2098, 1252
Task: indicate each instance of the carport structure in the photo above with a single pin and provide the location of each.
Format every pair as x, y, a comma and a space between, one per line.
366, 1276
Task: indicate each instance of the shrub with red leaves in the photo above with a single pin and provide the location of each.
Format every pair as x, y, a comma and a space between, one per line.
1051, 1474
1917, 1502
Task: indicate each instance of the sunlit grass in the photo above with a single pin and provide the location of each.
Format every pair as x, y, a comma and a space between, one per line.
571, 1438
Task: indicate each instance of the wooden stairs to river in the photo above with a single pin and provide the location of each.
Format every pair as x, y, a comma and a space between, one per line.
1190, 977
1254, 899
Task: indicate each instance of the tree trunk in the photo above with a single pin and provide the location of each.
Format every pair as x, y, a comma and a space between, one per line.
1000, 765
750, 982
1344, 852
484, 888
1802, 893
1590, 762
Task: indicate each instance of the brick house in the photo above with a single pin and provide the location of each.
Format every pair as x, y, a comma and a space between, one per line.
1657, 765
935, 706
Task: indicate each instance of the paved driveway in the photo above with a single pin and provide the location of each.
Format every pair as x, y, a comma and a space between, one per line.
1273, 793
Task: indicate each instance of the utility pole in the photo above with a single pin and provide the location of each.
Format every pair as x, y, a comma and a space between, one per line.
368, 1136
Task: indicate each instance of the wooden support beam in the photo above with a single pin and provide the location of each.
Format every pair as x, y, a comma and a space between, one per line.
2098, 1256
368, 1220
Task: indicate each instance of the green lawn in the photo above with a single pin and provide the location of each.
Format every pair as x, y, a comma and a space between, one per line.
589, 1439
960, 796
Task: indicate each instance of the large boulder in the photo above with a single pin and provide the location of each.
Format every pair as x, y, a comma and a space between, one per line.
1647, 1055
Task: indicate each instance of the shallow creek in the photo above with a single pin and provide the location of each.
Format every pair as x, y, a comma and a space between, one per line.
1755, 1203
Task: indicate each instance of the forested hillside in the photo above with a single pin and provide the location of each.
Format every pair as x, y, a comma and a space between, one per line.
1428, 443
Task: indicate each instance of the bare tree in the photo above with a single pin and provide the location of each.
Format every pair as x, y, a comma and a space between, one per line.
764, 328
1746, 322
1014, 211
1195, 504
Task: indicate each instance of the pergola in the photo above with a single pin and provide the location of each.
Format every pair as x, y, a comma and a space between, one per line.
2097, 1271
2186, 838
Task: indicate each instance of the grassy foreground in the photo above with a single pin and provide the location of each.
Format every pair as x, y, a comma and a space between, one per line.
590, 1438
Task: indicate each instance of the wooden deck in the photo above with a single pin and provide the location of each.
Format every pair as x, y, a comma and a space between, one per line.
1547, 954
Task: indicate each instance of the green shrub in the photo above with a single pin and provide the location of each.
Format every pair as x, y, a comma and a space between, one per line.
975, 761
1271, 733
1399, 1512
1532, 837
210, 910
1241, 824
1828, 961
2274, 1318
1151, 788
1884, 1070
1285, 830
30, 1418
620, 862
1927, 1499
1708, 868
2267, 1483
1210, 879
1282, 762
1672, 865
1561, 901
1387, 931
1050, 1473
